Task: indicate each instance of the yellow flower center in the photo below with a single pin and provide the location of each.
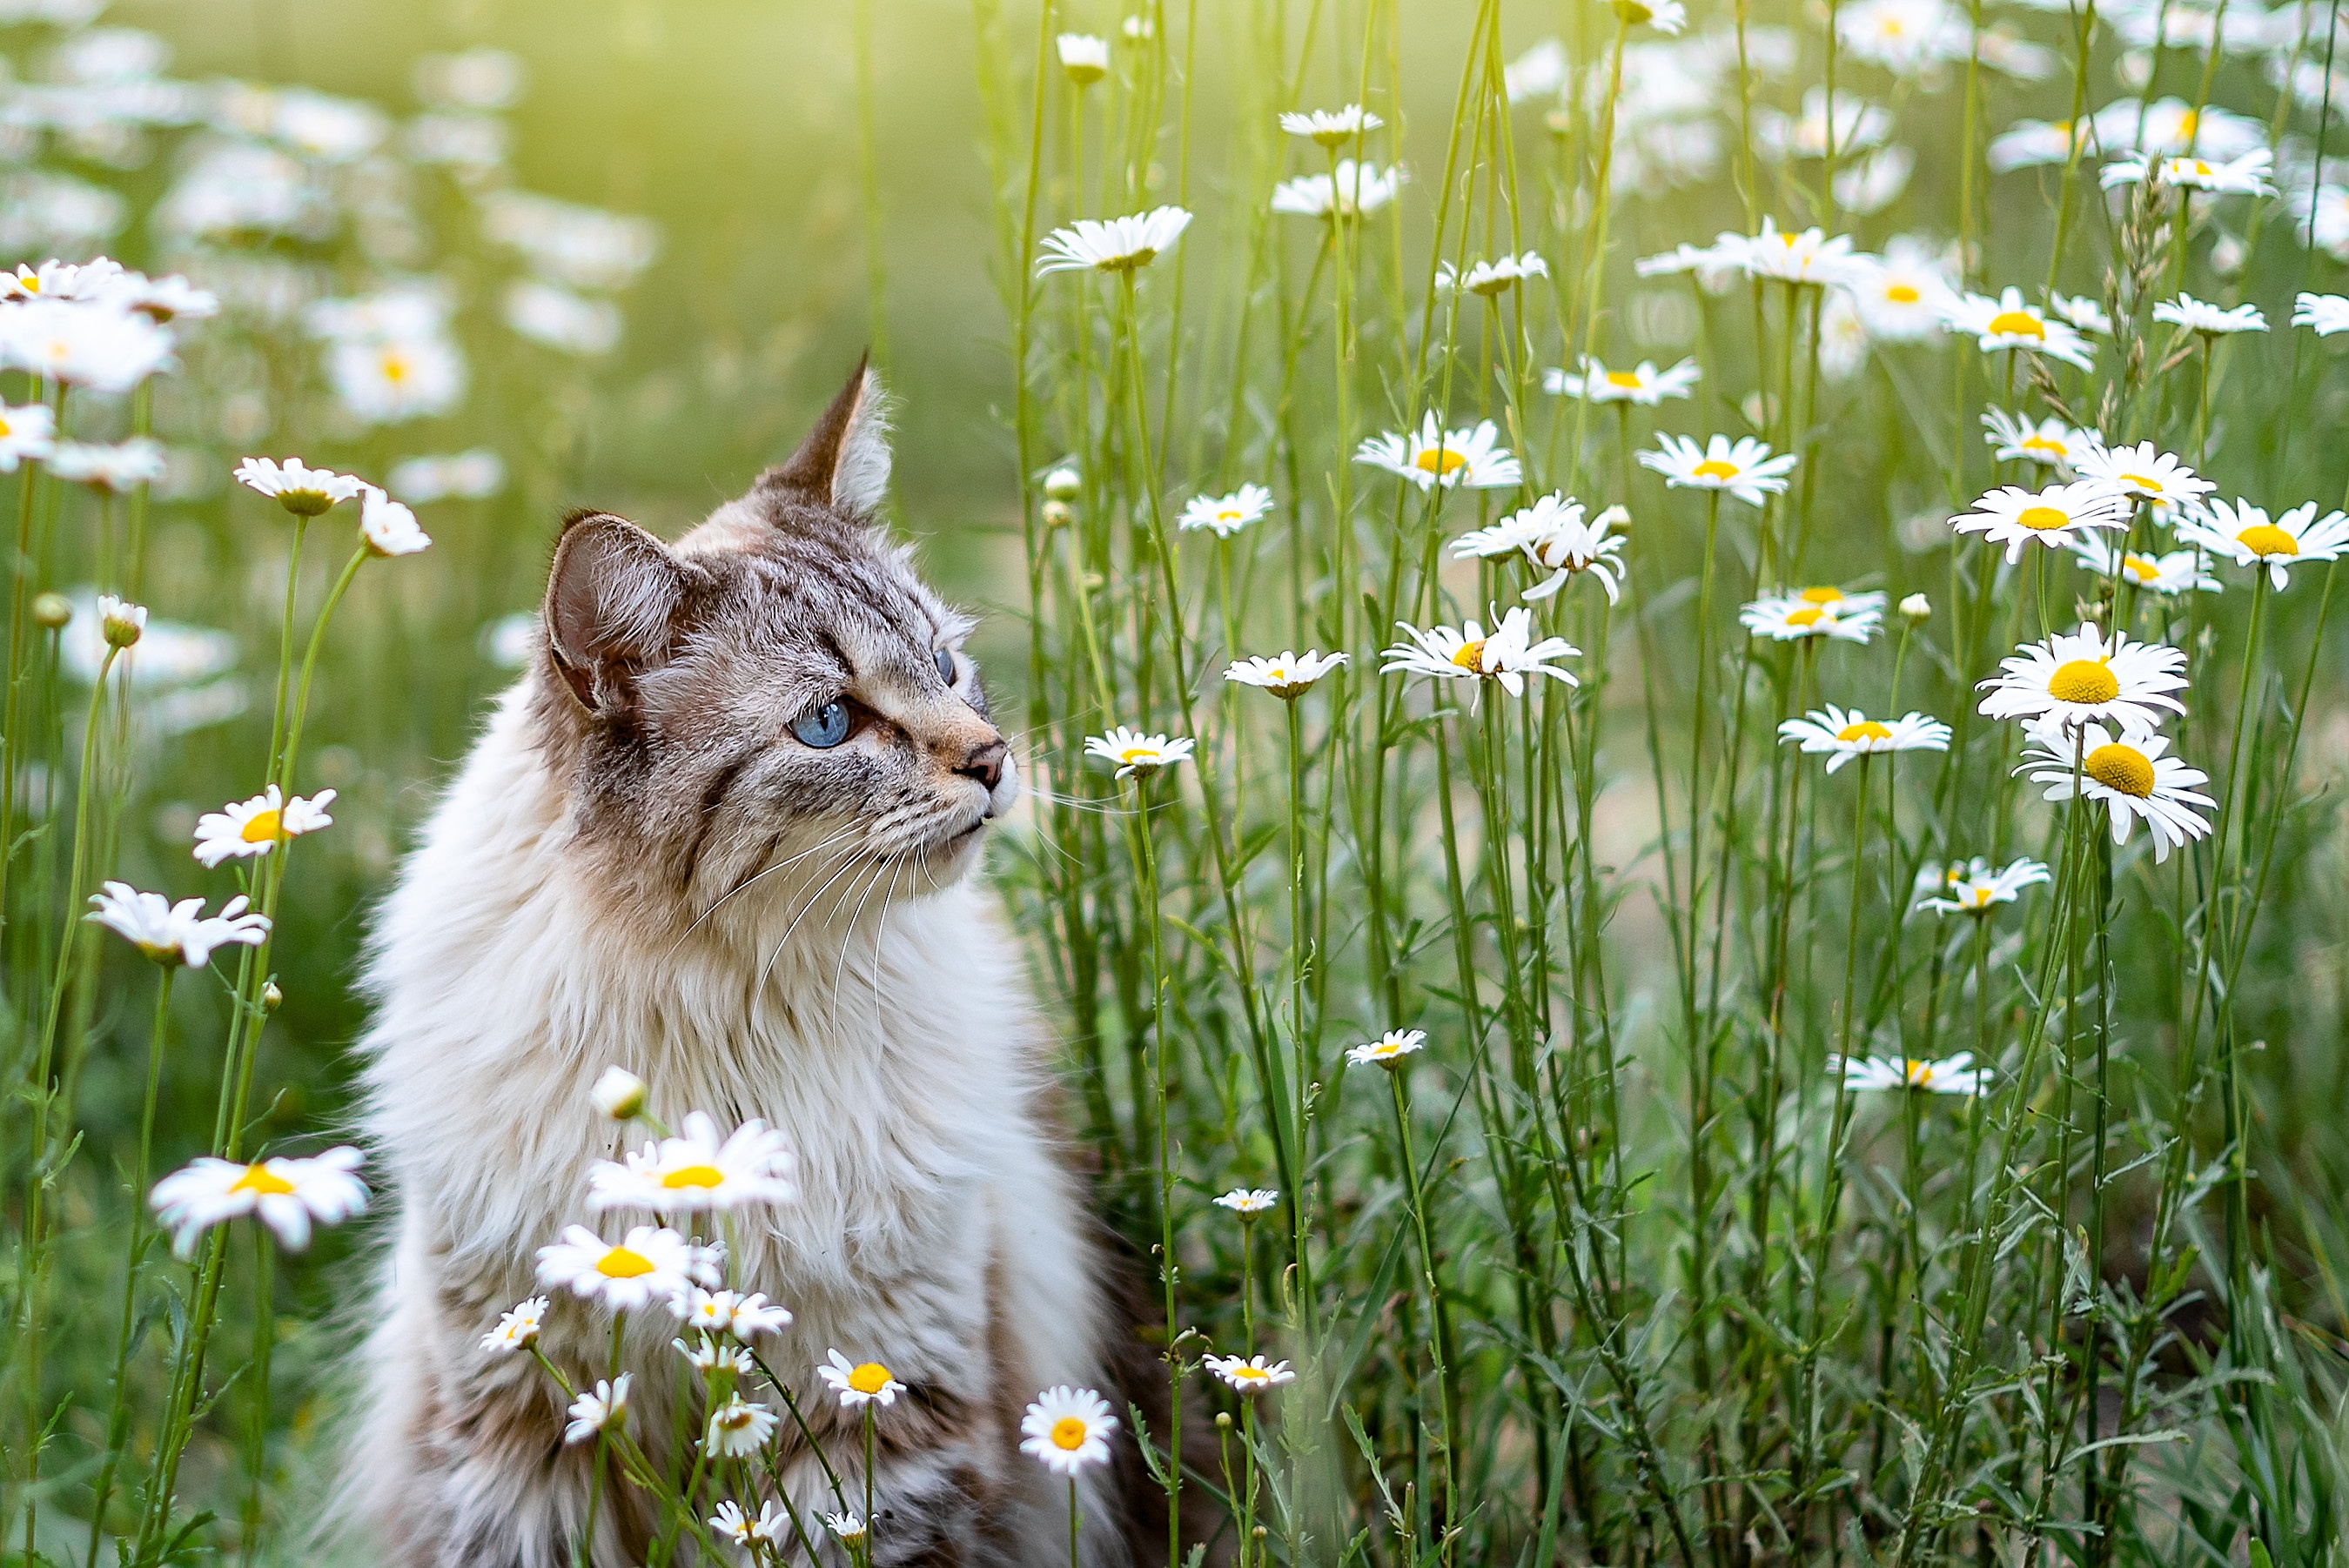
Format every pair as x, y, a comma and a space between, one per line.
2201, 168
1129, 262
2017, 324
1471, 656
1863, 729
1134, 754
1249, 1373
2040, 519
1903, 293
1808, 615
1440, 460
1714, 469
395, 369
262, 1182
2138, 567
2042, 444
2267, 539
3, 427
1227, 514
1625, 378
2188, 122
1820, 595
1920, 1074
2083, 680
1981, 895
2120, 768
869, 1379
694, 1176
1069, 1433
622, 1263
2145, 482
260, 827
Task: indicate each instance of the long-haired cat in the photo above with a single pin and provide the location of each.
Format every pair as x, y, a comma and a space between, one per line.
720, 835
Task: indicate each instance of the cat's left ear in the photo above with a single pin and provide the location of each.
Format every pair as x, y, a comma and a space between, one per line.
844, 462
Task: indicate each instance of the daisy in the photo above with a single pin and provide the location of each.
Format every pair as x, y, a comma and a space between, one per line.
1136, 754
1902, 295
2013, 516
2246, 175
1491, 279
1471, 458
174, 934
1850, 733
1954, 1075
1067, 1428
738, 1527
1388, 1050
1248, 1203
2079, 678
705, 1356
738, 1428
388, 528
604, 1409
516, 1328
119, 622
1250, 1375
651, 1263
729, 1311
2210, 320
2328, 314
1507, 655
1352, 190
848, 1527
2082, 311
1666, 17
31, 431
2131, 775
2145, 472
1226, 515
1824, 611
857, 1384
1975, 889
697, 1171
2007, 323
1083, 57
1567, 547
1791, 256
618, 1094
298, 488
731, 1523
1744, 468
120, 468
2050, 443
1288, 676
242, 829
2177, 572
1332, 130
2241, 532
1114, 244
285, 1194
87, 343
1644, 384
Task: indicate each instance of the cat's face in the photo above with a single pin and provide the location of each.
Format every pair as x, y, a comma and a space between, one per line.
775, 712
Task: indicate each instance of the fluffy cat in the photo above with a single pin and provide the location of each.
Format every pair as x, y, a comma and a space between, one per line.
720, 835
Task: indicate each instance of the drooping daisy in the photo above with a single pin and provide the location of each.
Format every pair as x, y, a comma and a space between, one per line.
1744, 468
1643, 383
1551, 536
1473, 458
285, 1193
1952, 1075
389, 529
1975, 889
1288, 676
1495, 277
1820, 612
705, 1355
1666, 17
739, 1428
1067, 1428
1331, 129
516, 1328
242, 829
1113, 244
1507, 655
2327, 314
618, 1094
1138, 755
121, 623
174, 934
856, 1382
2085, 676
605, 1409
1845, 734
30, 431
1250, 1375
729, 1311
1083, 57
2130, 776
1354, 189
652, 1263
2146, 473
1225, 515
2007, 323
2050, 443
2242, 533
2168, 574
1248, 1203
2192, 314
848, 1527
697, 1170
2015, 517
1388, 1050
298, 488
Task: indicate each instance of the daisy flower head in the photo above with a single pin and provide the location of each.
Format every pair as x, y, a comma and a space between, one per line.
242, 829
697, 1170
1565, 546
707, 1355
1903, 294
91, 344
1113, 244
388, 528
651, 1265
174, 934
1067, 1428
287, 1194
2084, 312
2007, 323
2130, 775
2146, 473
1083, 57
1643, 383
2078, 677
1845, 734
30, 431
1473, 458
2012, 516
1250, 1375
1287, 676
121, 622
1951, 1075
2325, 313
859, 1382
2192, 314
119, 467
1248, 1203
1351, 191
1666, 17
298, 488
1822, 612
2050, 443
1975, 889
1508, 655
2243, 175
2243, 534
1331, 129
618, 1094
729, 1312
1799, 256
736, 1526
849, 1528
738, 1428
731, 1523
1388, 1050
517, 1327
1138, 755
1225, 515
604, 1409
1744, 467
1492, 279
2168, 574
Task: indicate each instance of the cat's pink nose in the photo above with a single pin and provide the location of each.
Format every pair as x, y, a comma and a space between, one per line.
985, 764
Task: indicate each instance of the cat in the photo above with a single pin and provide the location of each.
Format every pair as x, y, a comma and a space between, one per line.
722, 835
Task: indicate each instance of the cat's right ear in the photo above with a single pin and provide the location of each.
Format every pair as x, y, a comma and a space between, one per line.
611, 602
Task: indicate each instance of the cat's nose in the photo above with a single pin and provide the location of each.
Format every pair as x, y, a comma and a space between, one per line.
985, 764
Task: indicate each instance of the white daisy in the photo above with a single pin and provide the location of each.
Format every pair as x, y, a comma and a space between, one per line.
174, 934
2083, 312
2212, 321
119, 622
705, 1355
651, 1263
242, 829
1137, 754
848, 1527
859, 1382
1388, 1050
768, 1530
2327, 314
2050, 443
698, 1171
1493, 278
1551, 536
2131, 775
1666, 17
1083, 57
1975, 889
2146, 473
738, 1428
618, 1094
1471, 458
388, 528
298, 488
729, 1311
2013, 516
1331, 129
1113, 244
605, 1409
1798, 256
2241, 532
1248, 1203
286, 1194
1250, 1375
1226, 515
2085, 676
2173, 572
1823, 612
730, 1523
1744, 468
121, 467
1952, 1075
516, 1328
30, 431
1643, 383
1067, 1428
2246, 175
1903, 294
1848, 733
83, 344
1354, 189
2007, 323
1288, 676
1507, 655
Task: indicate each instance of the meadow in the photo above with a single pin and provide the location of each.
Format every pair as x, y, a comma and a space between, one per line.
1674, 668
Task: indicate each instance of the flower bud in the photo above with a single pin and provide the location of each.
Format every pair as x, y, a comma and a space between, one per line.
1917, 607
52, 611
1064, 483
1617, 517
123, 622
1057, 514
1223, 1420
619, 1094
272, 998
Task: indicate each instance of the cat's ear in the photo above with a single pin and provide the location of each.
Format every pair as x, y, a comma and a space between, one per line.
844, 462
611, 602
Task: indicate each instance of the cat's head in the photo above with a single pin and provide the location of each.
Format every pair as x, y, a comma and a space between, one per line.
774, 706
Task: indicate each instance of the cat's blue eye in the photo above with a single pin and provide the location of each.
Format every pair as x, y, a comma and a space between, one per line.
825, 727
945, 665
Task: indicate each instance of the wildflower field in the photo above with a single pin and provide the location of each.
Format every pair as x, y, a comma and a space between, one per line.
1674, 669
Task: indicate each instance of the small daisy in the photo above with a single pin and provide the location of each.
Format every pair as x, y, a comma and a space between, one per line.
848, 1527
651, 1263
862, 1381
705, 1356
2013, 516
1114, 244
121, 623
1508, 655
2174, 572
1798, 256
1067, 1428
1388, 1050
738, 1428
2211, 321
1250, 1375
605, 1409
1903, 297
2243, 176
729, 1312
1471, 458
767, 1530
242, 829
388, 528
1083, 57
1744, 468
1643, 383
174, 934
2327, 314
618, 1094
118, 467
2131, 775
1138, 755
1823, 612
1248, 1203
1975, 889
1288, 676
2050, 443
731, 1523
285, 1194
2007, 323
1552, 537
1666, 17
2146, 473
31, 431
1355, 189
1493, 278
2241, 532
1332, 130
697, 1171
298, 488
1226, 515
516, 1328
1955, 1075
2084, 677
2083, 312
1847, 733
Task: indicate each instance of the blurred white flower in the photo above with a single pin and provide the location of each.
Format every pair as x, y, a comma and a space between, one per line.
618, 1094
516, 1328
1952, 1076
298, 488
389, 528
739, 1428
572, 323
286, 1194
1493, 278
1083, 57
2049, 443
2168, 574
174, 934
28, 431
605, 1407
697, 1170
386, 381
582, 247
472, 475
1643, 383
2212, 321
1250, 1375
1248, 1203
1352, 190
120, 622
477, 79
84, 343
119, 468
1388, 1050
2327, 314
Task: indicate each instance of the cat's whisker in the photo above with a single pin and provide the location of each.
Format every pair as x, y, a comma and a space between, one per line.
892, 865
848, 864
756, 877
